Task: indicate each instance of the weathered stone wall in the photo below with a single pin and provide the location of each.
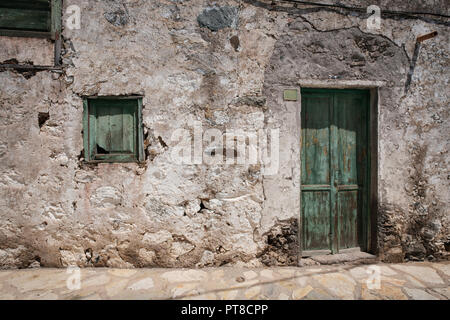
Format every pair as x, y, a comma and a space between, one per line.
224, 64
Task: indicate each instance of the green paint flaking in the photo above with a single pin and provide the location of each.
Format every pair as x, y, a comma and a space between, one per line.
335, 182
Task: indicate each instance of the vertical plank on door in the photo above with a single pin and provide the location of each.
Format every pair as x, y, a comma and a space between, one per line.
103, 138
316, 171
129, 128
116, 128
348, 132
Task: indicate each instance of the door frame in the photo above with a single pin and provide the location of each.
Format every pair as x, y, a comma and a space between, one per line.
370, 229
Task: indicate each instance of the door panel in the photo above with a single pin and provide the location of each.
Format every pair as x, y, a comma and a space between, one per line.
335, 164
351, 126
316, 217
316, 164
316, 197
347, 222
348, 129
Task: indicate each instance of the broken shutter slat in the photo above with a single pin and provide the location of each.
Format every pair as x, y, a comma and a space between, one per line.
103, 132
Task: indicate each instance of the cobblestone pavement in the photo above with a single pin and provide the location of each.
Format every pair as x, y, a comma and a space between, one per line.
421, 280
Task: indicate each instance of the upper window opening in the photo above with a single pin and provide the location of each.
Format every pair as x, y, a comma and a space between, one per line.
113, 130
30, 18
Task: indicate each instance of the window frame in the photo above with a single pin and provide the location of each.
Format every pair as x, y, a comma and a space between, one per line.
89, 140
55, 26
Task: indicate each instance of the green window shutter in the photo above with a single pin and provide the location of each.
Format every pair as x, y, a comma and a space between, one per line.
30, 18
113, 130
23, 19
116, 126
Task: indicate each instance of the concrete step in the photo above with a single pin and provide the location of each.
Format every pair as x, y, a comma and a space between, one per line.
351, 257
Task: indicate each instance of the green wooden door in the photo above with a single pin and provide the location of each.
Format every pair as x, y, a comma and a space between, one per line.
334, 175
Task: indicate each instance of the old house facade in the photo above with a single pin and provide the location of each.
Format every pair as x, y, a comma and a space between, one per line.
97, 115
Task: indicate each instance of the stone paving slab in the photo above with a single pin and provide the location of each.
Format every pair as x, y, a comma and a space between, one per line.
416, 281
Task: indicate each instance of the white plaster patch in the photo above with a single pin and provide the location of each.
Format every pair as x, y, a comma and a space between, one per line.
106, 197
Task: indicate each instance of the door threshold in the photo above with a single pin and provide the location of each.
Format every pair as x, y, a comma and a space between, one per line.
344, 256
323, 252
